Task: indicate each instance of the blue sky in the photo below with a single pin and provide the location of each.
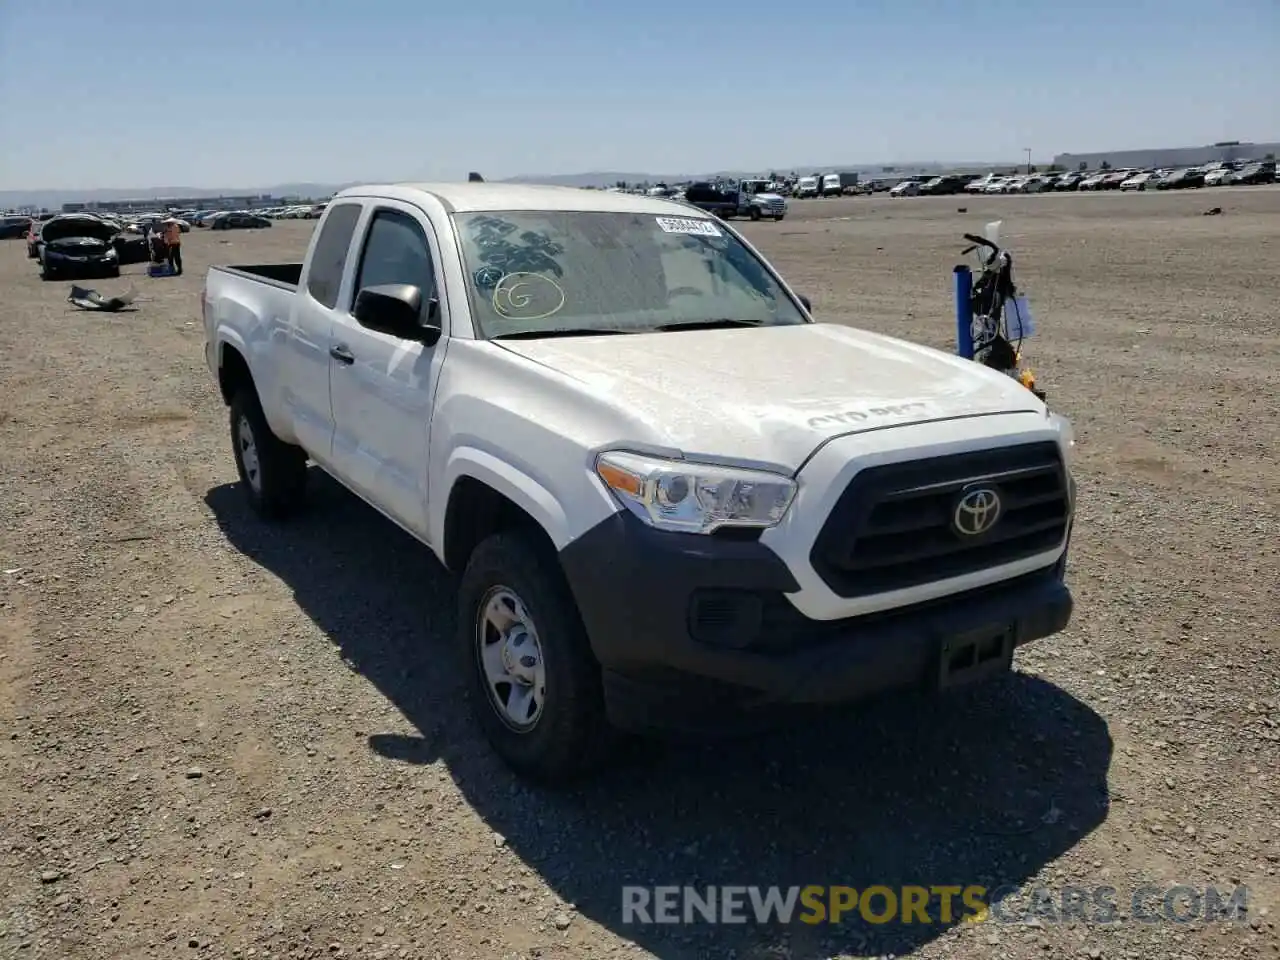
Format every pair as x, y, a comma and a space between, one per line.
118, 93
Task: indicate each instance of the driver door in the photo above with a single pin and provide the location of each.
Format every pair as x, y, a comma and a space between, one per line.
381, 385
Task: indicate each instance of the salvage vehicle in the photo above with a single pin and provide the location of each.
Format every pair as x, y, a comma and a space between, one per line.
14, 228
1139, 181
77, 246
674, 501
131, 248
1252, 173
807, 187
943, 186
1184, 179
237, 220
1219, 177
754, 199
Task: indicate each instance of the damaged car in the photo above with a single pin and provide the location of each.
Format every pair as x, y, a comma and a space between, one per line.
78, 245
14, 227
131, 248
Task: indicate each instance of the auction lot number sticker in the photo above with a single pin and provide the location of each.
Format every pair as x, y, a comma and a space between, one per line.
702, 228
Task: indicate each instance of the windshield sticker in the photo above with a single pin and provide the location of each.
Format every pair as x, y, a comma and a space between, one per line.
527, 296
702, 228
535, 251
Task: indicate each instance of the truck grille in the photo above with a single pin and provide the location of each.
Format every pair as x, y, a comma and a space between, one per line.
894, 525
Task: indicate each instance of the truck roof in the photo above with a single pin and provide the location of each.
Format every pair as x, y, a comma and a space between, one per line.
478, 197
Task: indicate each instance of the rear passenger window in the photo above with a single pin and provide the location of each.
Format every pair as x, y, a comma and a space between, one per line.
329, 258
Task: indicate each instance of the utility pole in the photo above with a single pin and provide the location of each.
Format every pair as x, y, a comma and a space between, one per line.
1027, 151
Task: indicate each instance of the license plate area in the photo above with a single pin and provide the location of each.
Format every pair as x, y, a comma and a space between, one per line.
975, 656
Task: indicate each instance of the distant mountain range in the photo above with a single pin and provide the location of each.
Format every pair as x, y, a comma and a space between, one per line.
53, 199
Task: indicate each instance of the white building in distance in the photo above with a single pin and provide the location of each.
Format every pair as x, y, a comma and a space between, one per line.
1168, 157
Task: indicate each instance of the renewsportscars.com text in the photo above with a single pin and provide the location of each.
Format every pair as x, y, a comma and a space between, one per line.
932, 905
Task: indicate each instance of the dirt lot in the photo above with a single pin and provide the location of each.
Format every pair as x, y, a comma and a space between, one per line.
223, 741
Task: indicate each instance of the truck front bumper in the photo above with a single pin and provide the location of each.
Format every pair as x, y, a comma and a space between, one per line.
695, 633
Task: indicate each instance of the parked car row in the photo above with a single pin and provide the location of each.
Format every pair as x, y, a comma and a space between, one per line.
305, 211
82, 245
1212, 175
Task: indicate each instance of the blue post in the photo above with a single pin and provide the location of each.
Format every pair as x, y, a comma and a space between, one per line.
964, 312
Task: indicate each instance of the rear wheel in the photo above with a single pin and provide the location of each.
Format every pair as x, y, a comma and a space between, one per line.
273, 473
534, 685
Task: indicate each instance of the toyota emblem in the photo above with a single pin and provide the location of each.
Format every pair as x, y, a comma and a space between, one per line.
977, 511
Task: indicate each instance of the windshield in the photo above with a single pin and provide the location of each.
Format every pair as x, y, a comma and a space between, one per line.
533, 271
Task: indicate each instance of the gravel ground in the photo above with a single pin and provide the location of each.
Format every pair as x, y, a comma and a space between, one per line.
224, 741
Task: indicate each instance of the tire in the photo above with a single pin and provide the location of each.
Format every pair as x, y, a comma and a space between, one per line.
754, 214
47, 273
778, 218
567, 735
114, 273
274, 477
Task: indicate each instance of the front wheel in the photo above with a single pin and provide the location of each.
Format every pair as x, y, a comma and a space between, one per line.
779, 217
273, 473
533, 682
754, 214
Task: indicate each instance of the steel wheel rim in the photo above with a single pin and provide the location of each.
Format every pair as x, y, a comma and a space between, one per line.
247, 448
509, 658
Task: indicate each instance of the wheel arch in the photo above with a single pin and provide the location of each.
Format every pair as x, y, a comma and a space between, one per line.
487, 495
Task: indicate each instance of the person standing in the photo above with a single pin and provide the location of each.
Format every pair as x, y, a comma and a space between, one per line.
173, 245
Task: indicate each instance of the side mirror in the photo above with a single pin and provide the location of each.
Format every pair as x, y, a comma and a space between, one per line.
396, 309
805, 300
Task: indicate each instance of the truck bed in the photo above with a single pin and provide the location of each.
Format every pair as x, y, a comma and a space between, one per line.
284, 275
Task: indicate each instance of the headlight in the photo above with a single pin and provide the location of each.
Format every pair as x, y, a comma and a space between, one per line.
694, 497
1066, 435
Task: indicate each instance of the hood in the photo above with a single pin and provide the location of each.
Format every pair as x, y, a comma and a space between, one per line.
772, 395
60, 228
770, 197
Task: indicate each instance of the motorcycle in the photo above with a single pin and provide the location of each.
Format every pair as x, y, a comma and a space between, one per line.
1001, 316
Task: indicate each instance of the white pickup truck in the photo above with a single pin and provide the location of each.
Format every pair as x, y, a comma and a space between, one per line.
672, 497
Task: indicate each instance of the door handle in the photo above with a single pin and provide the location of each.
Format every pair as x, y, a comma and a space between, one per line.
341, 353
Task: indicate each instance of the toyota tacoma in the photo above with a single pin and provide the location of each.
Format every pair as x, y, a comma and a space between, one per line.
670, 496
